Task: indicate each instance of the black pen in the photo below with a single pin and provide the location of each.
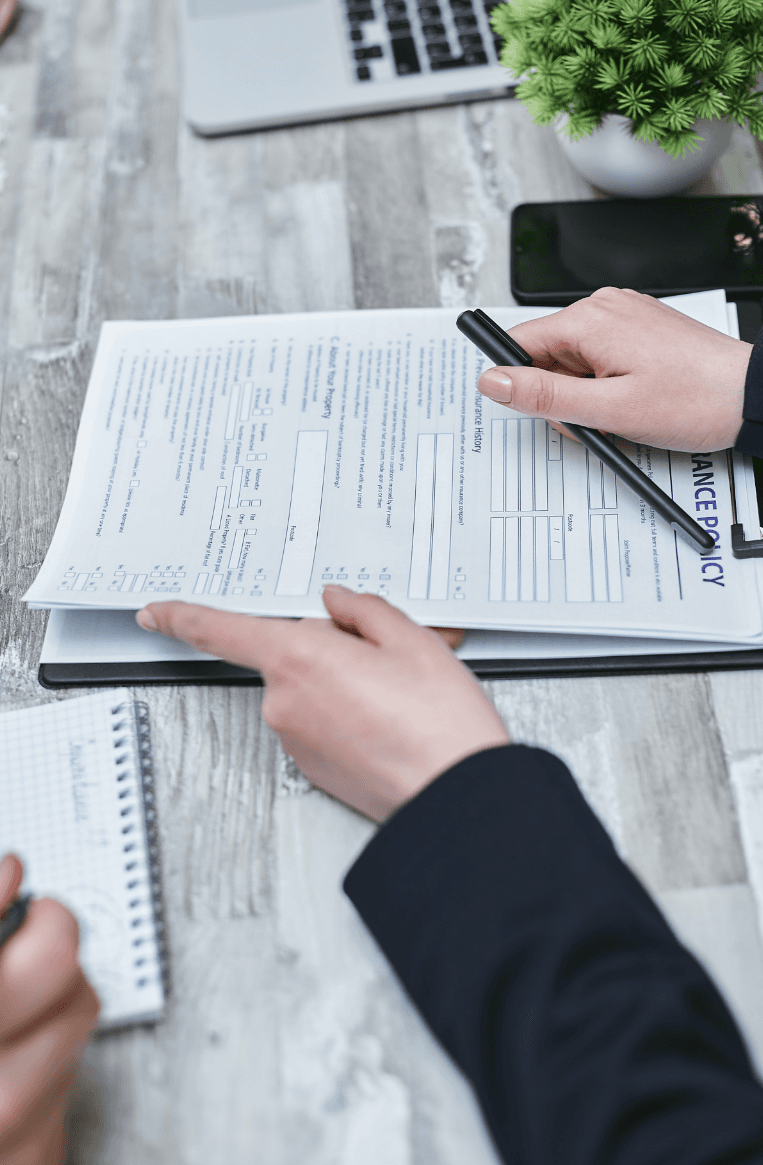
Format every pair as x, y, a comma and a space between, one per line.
13, 918
499, 347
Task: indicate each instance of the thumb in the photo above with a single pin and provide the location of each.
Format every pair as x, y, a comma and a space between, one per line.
608, 403
11, 875
369, 616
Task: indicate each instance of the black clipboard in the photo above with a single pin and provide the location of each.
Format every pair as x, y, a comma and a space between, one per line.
183, 672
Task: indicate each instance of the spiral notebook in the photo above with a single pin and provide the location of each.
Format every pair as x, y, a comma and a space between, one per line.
77, 806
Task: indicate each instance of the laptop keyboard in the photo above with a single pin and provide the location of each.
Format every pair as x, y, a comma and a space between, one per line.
398, 38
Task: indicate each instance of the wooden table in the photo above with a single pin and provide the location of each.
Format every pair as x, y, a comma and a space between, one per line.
288, 1040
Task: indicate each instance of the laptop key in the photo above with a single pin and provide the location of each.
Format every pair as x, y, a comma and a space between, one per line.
356, 34
447, 63
363, 73
433, 31
399, 25
372, 52
406, 57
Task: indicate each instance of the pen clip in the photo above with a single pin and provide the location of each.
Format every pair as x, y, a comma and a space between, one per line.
504, 337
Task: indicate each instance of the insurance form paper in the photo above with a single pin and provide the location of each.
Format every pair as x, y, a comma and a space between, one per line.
244, 463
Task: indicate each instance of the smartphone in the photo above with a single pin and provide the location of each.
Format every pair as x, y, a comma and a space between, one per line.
562, 251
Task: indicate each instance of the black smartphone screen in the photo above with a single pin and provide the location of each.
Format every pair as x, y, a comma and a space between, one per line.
561, 251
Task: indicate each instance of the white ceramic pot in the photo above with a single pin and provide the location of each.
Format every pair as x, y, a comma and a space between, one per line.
612, 159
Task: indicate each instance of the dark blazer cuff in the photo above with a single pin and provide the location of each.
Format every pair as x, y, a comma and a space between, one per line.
503, 836
750, 439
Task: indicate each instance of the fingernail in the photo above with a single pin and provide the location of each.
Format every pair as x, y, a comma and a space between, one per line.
146, 620
496, 384
7, 871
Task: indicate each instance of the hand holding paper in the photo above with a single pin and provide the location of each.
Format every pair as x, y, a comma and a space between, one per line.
662, 378
371, 706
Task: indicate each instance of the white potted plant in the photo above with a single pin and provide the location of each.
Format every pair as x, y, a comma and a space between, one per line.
644, 93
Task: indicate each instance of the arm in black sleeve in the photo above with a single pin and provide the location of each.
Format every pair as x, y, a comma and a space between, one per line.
588, 1032
750, 438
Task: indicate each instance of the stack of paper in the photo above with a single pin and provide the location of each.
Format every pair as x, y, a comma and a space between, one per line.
244, 463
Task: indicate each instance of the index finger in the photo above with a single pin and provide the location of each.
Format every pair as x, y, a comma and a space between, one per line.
555, 340
245, 640
11, 877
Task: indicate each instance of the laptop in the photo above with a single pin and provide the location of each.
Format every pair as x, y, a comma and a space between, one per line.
253, 64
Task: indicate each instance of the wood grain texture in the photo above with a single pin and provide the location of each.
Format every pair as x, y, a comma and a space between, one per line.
288, 1040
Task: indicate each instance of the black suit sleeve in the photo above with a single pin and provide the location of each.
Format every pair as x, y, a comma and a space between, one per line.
589, 1033
750, 438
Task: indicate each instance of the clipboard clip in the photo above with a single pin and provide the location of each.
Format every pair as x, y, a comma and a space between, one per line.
741, 547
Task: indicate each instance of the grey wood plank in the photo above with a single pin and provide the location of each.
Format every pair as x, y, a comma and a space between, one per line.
17, 91
41, 404
738, 171
737, 703
93, 59
49, 266
648, 755
20, 44
137, 253
57, 48
719, 925
388, 213
264, 224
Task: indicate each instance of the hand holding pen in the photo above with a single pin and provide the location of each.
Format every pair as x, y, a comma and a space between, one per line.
47, 1011
661, 378
681, 389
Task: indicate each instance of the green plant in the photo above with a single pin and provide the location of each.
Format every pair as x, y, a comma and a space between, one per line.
661, 63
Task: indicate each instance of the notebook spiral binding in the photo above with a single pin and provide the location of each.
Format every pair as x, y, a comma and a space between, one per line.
133, 743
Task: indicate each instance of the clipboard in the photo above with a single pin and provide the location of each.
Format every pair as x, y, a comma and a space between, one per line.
703, 658
99, 675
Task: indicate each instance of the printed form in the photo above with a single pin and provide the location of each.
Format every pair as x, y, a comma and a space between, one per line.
244, 463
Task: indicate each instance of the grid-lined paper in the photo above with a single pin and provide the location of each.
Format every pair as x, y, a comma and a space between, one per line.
71, 807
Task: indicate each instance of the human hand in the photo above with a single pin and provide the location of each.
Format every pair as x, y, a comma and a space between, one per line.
370, 706
47, 1011
661, 378
7, 10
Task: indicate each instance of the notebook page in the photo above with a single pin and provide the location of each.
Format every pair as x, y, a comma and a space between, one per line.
244, 463
75, 818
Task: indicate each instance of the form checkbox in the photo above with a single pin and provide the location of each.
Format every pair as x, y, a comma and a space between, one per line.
142, 444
